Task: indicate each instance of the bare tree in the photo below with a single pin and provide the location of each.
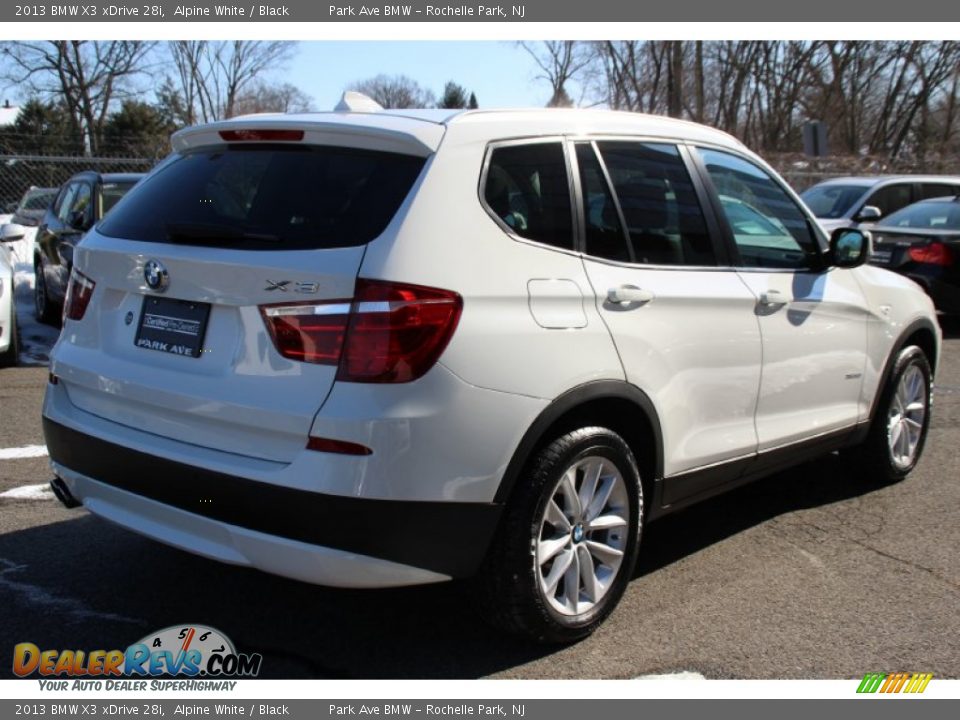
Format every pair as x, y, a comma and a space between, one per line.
89, 77
213, 75
263, 97
395, 91
886, 99
560, 61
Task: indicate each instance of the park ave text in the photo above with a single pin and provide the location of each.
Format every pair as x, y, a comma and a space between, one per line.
437, 11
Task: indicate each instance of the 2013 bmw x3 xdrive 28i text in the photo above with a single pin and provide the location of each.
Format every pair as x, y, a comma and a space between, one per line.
378, 348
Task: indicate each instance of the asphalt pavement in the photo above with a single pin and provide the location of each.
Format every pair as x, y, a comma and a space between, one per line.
811, 573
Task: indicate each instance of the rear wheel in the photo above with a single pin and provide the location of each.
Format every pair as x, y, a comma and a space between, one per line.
899, 429
44, 309
568, 541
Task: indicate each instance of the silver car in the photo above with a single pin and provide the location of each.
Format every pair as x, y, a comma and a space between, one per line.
852, 201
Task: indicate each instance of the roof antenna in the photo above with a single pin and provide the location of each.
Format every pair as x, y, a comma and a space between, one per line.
357, 102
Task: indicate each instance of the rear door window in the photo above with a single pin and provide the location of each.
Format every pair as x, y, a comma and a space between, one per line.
891, 198
664, 222
267, 197
528, 190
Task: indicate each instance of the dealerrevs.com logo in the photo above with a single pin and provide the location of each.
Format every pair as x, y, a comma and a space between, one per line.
191, 651
887, 683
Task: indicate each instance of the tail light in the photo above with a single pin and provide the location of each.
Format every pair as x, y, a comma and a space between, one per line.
308, 332
936, 253
79, 291
264, 135
389, 333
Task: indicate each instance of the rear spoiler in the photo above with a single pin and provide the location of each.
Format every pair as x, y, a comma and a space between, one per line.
365, 131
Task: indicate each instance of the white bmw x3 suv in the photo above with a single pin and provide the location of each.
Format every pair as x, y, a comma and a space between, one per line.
381, 348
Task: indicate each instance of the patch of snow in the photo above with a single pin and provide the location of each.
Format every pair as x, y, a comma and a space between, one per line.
28, 451
29, 492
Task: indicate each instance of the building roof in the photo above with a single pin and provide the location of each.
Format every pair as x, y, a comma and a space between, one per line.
8, 114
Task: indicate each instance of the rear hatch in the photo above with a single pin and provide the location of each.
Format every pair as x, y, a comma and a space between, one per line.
899, 249
208, 304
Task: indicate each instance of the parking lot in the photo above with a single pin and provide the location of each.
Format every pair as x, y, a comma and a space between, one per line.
810, 573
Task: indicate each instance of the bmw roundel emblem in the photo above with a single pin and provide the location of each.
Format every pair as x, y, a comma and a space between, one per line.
156, 275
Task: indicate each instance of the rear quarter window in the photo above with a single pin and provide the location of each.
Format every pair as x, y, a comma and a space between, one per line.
271, 197
528, 190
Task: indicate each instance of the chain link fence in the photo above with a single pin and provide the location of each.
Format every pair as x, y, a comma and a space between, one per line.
18, 173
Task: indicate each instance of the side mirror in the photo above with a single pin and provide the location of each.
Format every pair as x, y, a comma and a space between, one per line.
11, 232
868, 213
849, 248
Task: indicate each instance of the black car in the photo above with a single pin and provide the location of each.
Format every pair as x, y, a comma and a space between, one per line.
922, 241
81, 202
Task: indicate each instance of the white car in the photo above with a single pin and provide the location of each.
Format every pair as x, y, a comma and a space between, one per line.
9, 340
379, 348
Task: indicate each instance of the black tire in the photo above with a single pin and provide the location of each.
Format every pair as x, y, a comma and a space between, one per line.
44, 309
875, 456
509, 591
9, 357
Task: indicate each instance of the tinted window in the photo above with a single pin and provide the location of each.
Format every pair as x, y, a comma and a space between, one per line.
768, 227
65, 202
110, 193
81, 207
527, 188
935, 190
267, 197
604, 233
39, 200
665, 224
935, 215
832, 201
890, 198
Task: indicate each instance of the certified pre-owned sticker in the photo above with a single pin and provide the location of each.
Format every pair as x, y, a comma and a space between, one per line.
186, 651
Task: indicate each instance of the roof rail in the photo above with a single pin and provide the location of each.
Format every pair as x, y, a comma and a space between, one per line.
357, 102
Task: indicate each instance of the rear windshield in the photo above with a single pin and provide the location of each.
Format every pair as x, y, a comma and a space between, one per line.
935, 215
832, 201
267, 197
39, 200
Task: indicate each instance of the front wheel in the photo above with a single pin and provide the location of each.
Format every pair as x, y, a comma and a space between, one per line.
568, 541
899, 429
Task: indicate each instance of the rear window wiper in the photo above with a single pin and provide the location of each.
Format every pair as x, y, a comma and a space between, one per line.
208, 232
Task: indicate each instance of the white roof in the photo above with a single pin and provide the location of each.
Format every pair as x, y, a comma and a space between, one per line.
8, 115
420, 131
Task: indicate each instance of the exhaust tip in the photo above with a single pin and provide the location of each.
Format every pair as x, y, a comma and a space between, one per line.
60, 489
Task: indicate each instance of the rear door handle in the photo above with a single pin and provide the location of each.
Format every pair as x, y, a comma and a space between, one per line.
626, 294
772, 297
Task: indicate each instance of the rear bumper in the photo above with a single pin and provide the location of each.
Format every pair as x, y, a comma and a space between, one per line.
945, 295
327, 539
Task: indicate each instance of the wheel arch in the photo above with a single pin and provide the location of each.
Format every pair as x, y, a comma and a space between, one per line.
613, 404
921, 333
